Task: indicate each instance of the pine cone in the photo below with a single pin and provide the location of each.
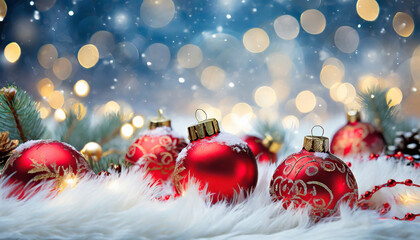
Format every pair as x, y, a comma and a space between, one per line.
6, 146
408, 143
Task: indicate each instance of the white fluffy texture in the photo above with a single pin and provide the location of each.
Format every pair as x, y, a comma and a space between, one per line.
161, 131
31, 143
124, 207
321, 155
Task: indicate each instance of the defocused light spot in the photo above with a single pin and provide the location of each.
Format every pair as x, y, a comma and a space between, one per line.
414, 64
330, 75
62, 68
394, 96
403, 24
335, 62
265, 96
44, 5
282, 89
313, 21
212, 77
56, 99
346, 39
88, 56
367, 9
3, 10
81, 88
80, 110
45, 87
211, 111
12, 52
104, 42
138, 121
242, 109
189, 56
44, 112
367, 82
47, 54
157, 13
60, 115
127, 130
350, 94
286, 27
305, 101
158, 56
290, 122
112, 107
256, 40
229, 124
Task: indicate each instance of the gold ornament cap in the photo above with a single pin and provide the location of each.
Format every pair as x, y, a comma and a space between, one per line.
272, 145
159, 121
353, 116
92, 151
316, 143
205, 128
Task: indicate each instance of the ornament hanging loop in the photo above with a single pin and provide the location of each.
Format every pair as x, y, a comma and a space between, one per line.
312, 130
196, 116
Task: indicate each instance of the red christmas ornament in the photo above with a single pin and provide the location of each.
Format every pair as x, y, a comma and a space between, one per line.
314, 177
357, 137
221, 161
36, 161
156, 151
265, 150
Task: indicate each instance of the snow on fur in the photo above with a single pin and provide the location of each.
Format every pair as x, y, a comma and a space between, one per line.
124, 207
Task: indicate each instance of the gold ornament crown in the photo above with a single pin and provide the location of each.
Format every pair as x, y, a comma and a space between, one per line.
204, 128
316, 143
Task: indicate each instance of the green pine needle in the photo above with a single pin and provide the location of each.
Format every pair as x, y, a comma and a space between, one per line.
19, 115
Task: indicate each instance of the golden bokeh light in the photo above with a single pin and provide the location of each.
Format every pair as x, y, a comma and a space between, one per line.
403, 24
81, 88
330, 74
60, 115
127, 130
88, 56
138, 121
229, 125
157, 13
394, 96
286, 27
265, 96
415, 63
56, 99
44, 111
80, 110
242, 109
45, 87
111, 107
313, 21
367, 9
189, 56
305, 101
335, 62
256, 40
3, 10
290, 122
212, 77
367, 82
12, 52
350, 94
62, 68
44, 5
47, 55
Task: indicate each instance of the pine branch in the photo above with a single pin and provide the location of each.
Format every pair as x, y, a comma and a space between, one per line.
19, 115
276, 131
377, 112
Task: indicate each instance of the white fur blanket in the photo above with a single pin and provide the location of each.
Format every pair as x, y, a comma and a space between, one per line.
124, 207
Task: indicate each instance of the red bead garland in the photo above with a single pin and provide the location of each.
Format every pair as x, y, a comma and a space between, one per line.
386, 206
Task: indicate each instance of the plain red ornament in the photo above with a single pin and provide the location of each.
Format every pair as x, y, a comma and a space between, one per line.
156, 151
43, 160
316, 178
261, 151
221, 161
357, 137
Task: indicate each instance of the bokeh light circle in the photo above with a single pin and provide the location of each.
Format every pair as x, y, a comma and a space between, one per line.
44, 5
158, 56
45, 87
256, 40
88, 56
189, 56
81, 88
286, 27
305, 101
313, 21
12, 52
403, 24
157, 13
47, 54
367, 9
62, 68
346, 39
212, 77
3, 10
265, 96
56, 99
330, 74
394, 96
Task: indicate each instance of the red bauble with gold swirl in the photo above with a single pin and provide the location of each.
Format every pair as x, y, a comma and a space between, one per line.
314, 177
37, 161
220, 161
357, 138
156, 151
261, 151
